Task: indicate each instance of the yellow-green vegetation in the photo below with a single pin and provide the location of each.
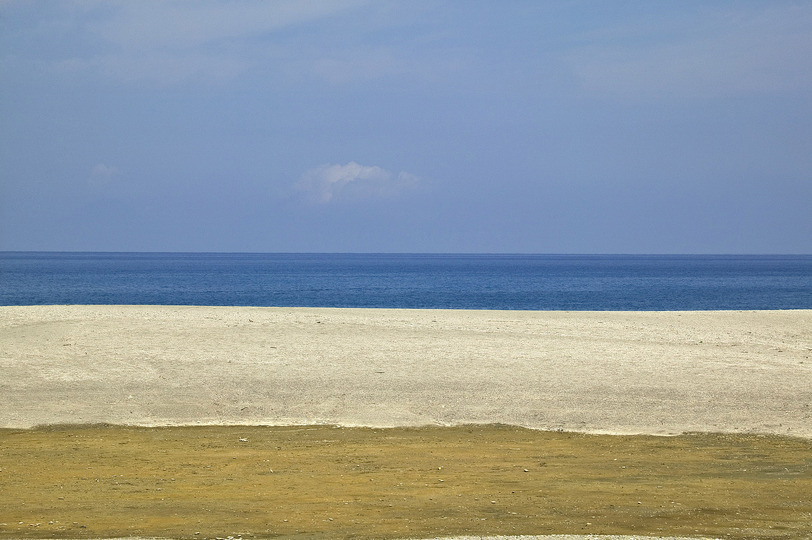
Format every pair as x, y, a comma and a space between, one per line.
325, 481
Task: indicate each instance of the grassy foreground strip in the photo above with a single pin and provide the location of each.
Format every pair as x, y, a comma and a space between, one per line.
325, 481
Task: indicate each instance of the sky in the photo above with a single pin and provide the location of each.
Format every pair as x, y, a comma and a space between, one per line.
561, 126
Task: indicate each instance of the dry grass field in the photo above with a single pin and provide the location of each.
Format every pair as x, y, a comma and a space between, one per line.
330, 482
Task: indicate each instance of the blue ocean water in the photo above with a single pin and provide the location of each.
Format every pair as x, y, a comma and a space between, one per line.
523, 282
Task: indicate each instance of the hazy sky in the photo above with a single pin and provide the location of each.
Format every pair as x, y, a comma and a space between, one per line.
406, 126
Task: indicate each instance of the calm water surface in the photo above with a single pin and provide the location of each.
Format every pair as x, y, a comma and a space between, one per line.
527, 282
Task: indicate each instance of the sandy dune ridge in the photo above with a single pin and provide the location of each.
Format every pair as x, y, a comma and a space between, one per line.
603, 372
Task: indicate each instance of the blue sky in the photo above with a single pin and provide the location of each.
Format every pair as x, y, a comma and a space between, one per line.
406, 126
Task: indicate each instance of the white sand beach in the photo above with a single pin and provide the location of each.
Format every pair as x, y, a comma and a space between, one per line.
606, 372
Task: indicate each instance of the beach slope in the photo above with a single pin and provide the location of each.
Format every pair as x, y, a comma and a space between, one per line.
600, 372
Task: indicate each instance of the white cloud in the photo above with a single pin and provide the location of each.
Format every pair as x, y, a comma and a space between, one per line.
352, 181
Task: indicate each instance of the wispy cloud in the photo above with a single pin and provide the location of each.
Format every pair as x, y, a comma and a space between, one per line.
172, 41
328, 183
727, 53
160, 68
350, 66
156, 24
102, 174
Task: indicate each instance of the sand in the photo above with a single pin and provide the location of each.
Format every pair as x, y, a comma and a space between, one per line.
597, 372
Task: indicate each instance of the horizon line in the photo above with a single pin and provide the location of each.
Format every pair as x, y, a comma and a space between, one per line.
457, 253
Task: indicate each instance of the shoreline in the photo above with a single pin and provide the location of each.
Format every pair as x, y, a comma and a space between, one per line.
660, 373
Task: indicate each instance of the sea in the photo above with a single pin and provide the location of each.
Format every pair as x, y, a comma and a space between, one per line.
424, 281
